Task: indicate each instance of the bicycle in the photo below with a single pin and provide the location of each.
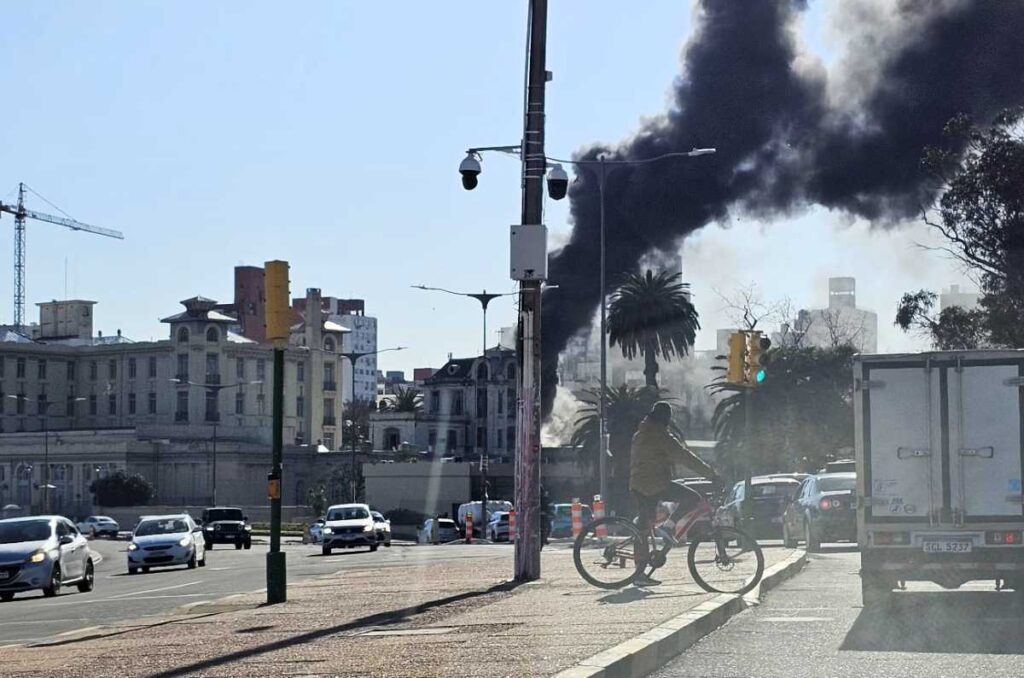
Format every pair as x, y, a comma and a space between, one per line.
721, 558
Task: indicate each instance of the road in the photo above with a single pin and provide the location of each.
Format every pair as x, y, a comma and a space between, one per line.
118, 596
814, 625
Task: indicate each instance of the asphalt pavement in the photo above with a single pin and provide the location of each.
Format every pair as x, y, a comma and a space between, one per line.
815, 625
119, 596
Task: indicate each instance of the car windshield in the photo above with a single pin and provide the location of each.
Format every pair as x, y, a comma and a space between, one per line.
771, 490
837, 484
214, 515
163, 526
348, 513
24, 530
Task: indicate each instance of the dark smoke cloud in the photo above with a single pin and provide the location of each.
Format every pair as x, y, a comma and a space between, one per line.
781, 144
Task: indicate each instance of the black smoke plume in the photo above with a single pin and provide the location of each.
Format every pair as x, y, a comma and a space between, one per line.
784, 140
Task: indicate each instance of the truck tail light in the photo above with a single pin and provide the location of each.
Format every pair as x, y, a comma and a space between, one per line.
825, 504
890, 538
1003, 537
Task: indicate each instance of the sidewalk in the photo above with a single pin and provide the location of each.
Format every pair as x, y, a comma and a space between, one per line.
457, 618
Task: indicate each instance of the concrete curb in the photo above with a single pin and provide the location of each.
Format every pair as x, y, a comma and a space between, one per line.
649, 651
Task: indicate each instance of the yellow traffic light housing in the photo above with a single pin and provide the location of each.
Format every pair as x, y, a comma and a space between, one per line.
278, 308
737, 350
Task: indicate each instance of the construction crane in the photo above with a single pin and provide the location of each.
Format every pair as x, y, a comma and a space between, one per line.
20, 214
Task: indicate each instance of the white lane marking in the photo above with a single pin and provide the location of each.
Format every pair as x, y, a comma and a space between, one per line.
165, 588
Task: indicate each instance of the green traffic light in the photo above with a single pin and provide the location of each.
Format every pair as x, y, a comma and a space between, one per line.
761, 374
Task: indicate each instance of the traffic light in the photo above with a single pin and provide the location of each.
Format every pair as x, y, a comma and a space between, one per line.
756, 358
737, 350
278, 310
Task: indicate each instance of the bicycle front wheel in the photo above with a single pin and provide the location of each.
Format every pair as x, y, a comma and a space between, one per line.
725, 560
610, 552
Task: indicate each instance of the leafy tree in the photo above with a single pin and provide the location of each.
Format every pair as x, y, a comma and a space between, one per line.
404, 400
316, 499
953, 328
651, 315
980, 214
122, 489
802, 413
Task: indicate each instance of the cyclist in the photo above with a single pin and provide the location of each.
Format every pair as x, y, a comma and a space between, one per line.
650, 472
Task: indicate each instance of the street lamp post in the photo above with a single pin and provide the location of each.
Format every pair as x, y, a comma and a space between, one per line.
215, 389
353, 357
484, 298
43, 410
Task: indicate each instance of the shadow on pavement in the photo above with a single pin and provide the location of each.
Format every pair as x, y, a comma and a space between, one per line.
379, 619
981, 622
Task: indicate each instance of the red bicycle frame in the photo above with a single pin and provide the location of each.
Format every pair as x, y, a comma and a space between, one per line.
702, 511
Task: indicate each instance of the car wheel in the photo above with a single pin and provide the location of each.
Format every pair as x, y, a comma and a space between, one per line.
89, 579
192, 562
787, 539
373, 548
248, 544
813, 542
133, 570
7, 596
53, 588
326, 550
145, 570
238, 546
209, 545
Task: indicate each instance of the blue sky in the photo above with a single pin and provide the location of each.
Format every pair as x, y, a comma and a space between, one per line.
215, 134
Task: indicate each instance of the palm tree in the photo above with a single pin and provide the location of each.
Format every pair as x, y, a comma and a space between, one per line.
651, 315
407, 400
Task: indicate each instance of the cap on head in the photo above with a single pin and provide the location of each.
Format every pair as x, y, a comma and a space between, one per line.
661, 412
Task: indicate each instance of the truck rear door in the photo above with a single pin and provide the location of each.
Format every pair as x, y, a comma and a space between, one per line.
901, 438
985, 445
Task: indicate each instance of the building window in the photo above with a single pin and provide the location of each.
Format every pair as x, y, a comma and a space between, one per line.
212, 368
69, 406
497, 440
182, 373
510, 437
41, 369
20, 369
71, 370
457, 403
481, 436
92, 405
329, 374
431, 440
112, 369
452, 441
261, 403
181, 411
240, 368
300, 406
261, 369
131, 403
212, 413
112, 404
2, 361
212, 335
152, 367
41, 404
392, 438
329, 345
300, 371
481, 372
152, 403
182, 335
510, 397
3, 402
328, 440
19, 404
131, 368
511, 371
501, 402
435, 402
93, 370
329, 412
239, 403
481, 402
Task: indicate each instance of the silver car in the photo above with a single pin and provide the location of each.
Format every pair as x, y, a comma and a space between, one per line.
45, 553
165, 541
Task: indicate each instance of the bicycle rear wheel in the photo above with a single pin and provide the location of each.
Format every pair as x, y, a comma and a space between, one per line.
725, 560
610, 552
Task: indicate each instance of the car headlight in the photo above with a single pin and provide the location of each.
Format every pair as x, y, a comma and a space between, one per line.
185, 541
208, 528
248, 528
133, 546
37, 557
368, 528
326, 530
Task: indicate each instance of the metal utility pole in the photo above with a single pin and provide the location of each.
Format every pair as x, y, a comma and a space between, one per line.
527, 480
278, 328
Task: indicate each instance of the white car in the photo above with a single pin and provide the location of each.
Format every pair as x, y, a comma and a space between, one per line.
447, 531
99, 526
382, 526
43, 552
316, 530
164, 541
348, 526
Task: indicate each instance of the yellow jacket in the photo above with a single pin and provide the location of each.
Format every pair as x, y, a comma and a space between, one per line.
650, 458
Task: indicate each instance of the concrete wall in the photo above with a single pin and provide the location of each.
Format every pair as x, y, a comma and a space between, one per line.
427, 487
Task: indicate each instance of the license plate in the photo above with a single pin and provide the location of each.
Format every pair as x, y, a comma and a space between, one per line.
947, 546
4, 575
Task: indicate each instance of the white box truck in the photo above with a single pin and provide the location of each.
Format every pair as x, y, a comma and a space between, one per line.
940, 456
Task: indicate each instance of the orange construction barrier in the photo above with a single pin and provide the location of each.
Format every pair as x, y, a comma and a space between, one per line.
512, 526
469, 527
577, 517
601, 530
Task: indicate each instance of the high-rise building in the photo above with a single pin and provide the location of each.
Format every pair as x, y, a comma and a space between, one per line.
841, 323
954, 296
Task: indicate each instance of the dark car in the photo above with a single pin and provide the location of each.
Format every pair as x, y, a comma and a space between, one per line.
822, 511
704, 486
226, 525
770, 495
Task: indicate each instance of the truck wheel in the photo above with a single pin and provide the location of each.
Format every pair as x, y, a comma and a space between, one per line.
874, 592
326, 550
813, 541
787, 539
